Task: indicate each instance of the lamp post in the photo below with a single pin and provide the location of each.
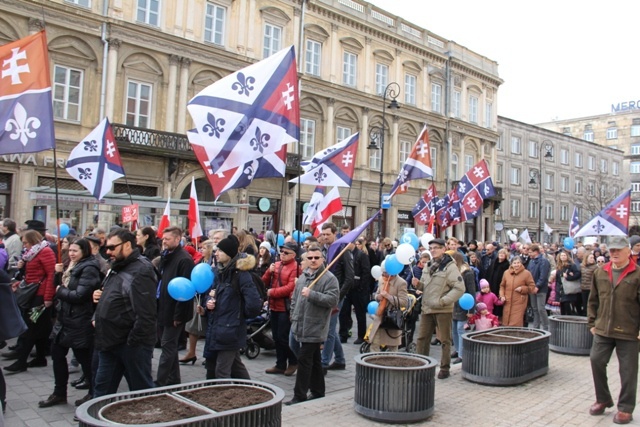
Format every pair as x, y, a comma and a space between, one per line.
536, 175
376, 134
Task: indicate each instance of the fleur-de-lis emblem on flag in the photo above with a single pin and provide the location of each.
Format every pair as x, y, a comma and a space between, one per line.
598, 227
213, 126
85, 173
23, 126
90, 145
259, 142
244, 85
320, 175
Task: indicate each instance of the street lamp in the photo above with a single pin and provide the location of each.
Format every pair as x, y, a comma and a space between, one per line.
376, 134
536, 176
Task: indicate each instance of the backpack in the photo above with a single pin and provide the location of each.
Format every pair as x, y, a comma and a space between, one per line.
257, 281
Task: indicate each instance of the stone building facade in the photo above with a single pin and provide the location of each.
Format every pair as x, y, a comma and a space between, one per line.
138, 62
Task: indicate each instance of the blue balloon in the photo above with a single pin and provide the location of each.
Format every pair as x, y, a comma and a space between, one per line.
372, 307
64, 230
466, 302
181, 289
202, 277
411, 238
568, 243
392, 265
297, 236
307, 234
280, 240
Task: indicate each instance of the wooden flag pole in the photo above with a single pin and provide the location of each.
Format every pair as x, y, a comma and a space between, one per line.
55, 183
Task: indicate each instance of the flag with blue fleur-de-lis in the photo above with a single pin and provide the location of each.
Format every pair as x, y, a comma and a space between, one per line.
418, 163
26, 112
332, 167
613, 220
249, 114
95, 162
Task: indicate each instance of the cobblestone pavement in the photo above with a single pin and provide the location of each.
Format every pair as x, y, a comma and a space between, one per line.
560, 398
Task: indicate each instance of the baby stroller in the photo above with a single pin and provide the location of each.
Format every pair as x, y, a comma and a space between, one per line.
410, 316
258, 334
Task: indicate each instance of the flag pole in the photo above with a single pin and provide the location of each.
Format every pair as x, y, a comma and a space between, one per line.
55, 183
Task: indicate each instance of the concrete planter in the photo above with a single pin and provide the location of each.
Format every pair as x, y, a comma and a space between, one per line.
395, 394
505, 355
570, 335
268, 413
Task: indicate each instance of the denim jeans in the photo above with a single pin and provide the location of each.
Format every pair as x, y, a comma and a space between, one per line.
332, 344
540, 317
132, 362
456, 335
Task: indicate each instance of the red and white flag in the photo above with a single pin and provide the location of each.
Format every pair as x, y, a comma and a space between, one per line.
164, 221
330, 205
195, 230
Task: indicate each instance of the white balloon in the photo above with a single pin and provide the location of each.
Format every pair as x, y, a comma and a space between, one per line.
513, 237
405, 253
382, 265
376, 272
426, 238
515, 231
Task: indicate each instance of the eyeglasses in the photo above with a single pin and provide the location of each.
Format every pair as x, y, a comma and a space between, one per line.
435, 247
113, 247
600, 262
313, 257
286, 253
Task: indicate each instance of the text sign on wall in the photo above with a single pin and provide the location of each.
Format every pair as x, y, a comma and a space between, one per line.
625, 106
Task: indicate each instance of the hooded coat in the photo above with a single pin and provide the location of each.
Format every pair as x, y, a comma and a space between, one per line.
515, 303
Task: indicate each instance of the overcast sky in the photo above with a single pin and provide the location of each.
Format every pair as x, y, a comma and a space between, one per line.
559, 59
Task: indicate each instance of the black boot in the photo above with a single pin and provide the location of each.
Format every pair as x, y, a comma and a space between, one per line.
16, 367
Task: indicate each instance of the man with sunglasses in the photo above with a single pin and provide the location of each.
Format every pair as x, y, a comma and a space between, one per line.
125, 318
280, 280
315, 295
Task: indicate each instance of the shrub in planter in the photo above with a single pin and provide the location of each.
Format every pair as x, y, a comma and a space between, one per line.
395, 387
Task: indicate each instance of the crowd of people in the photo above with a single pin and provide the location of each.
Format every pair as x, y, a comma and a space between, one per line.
106, 298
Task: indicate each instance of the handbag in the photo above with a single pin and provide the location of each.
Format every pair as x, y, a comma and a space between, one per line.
392, 319
25, 294
571, 287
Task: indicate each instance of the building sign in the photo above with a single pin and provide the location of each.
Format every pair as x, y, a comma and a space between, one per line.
33, 159
405, 216
625, 106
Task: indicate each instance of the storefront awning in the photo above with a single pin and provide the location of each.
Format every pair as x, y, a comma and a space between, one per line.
83, 196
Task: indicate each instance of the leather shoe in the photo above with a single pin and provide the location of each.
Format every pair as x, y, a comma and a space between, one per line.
84, 385
37, 363
274, 370
294, 401
443, 374
343, 340
358, 341
86, 398
622, 418
290, 370
16, 367
598, 408
76, 382
52, 400
456, 361
337, 367
313, 396
10, 355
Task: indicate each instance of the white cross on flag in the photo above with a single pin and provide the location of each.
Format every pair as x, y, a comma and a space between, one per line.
613, 220
250, 113
418, 164
475, 186
95, 162
333, 166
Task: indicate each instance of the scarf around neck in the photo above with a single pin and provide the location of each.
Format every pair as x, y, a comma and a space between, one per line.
35, 250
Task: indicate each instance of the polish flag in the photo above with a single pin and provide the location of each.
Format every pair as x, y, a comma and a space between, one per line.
164, 221
195, 230
330, 205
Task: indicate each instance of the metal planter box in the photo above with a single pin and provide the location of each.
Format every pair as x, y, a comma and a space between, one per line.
570, 335
268, 413
505, 356
395, 394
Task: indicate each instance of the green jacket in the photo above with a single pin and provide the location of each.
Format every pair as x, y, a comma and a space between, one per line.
614, 311
442, 288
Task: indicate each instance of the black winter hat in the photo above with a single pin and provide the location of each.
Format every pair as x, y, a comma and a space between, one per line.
229, 245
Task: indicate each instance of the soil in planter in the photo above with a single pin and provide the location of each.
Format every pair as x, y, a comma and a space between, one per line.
226, 398
154, 409
400, 362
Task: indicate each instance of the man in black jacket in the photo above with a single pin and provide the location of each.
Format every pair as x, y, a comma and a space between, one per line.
358, 297
343, 270
172, 314
125, 318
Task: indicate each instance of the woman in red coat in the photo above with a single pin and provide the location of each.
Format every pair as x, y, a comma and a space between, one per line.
38, 264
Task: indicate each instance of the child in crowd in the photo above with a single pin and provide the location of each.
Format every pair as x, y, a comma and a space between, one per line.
482, 319
552, 305
487, 297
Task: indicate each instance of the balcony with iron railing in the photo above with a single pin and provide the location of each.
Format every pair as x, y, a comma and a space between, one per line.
131, 139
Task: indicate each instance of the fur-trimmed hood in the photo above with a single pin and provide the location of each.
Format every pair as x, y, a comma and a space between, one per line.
245, 262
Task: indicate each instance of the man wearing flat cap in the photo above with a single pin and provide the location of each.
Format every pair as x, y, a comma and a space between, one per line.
614, 318
441, 285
